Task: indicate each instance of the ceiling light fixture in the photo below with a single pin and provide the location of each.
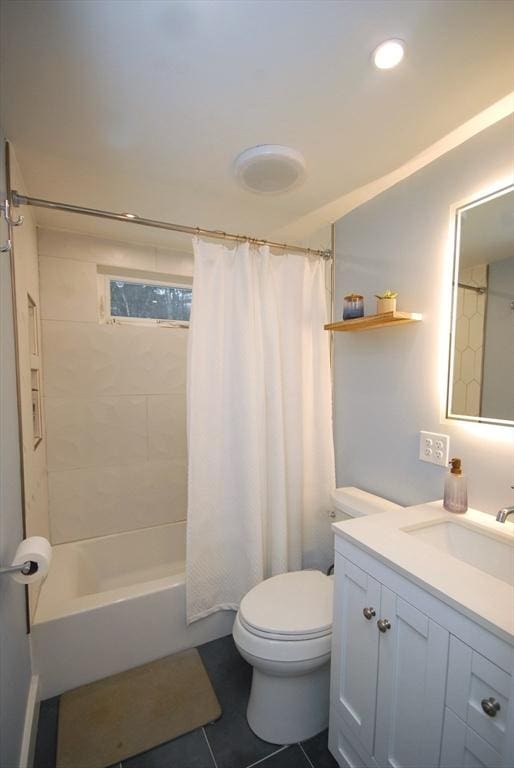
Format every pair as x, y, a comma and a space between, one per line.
388, 54
269, 168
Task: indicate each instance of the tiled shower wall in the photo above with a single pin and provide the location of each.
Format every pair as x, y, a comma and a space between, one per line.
26, 280
114, 395
469, 342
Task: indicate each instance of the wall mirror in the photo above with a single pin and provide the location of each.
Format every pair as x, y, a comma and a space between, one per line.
481, 371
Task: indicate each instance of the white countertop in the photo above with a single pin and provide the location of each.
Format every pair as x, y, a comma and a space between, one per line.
482, 597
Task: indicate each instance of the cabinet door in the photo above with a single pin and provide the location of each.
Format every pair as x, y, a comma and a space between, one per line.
464, 748
411, 686
355, 649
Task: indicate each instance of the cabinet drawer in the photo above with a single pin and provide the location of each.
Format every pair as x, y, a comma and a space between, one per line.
471, 680
463, 748
345, 747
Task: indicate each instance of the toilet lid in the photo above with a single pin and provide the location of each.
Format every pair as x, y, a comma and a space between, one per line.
291, 605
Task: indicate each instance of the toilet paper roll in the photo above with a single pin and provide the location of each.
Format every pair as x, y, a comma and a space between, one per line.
39, 551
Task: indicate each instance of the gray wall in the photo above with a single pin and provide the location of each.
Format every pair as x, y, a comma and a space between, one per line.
498, 378
15, 669
389, 382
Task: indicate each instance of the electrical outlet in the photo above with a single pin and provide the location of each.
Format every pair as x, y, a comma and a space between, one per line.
434, 448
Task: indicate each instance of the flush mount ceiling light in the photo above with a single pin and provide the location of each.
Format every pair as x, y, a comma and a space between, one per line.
388, 54
269, 168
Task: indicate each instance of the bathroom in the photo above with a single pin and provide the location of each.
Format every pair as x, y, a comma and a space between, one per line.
156, 157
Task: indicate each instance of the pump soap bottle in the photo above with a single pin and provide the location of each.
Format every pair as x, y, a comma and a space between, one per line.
455, 489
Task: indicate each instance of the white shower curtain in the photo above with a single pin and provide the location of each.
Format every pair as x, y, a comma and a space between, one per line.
261, 459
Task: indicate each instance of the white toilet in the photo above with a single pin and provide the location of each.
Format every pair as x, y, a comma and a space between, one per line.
284, 630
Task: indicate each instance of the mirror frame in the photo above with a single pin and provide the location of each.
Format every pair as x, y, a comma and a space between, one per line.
456, 222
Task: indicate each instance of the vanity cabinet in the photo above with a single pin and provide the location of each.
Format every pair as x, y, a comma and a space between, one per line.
406, 691
388, 670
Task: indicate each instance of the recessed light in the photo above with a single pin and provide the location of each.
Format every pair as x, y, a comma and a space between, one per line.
269, 168
388, 54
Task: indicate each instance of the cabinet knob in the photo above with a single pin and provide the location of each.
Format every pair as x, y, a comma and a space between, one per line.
383, 625
490, 706
368, 613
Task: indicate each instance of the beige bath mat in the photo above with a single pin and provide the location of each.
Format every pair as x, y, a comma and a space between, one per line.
120, 716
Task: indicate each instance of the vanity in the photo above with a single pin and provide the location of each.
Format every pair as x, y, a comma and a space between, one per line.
423, 641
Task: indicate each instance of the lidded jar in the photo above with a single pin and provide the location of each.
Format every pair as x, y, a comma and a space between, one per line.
353, 306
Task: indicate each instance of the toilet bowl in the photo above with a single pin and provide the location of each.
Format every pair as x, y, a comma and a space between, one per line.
284, 630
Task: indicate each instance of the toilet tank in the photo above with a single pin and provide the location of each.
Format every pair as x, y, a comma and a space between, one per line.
351, 502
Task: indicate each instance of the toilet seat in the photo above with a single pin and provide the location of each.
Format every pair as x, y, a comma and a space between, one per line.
282, 636
285, 651
295, 606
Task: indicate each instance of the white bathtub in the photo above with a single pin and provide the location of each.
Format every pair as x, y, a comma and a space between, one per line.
112, 603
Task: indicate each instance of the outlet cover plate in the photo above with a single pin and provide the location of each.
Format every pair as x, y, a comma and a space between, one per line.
434, 448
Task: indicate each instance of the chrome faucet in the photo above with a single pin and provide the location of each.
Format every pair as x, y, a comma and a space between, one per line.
503, 514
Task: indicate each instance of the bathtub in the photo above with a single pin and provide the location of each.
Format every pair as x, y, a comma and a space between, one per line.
112, 603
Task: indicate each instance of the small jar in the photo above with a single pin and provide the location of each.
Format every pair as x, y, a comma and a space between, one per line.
353, 306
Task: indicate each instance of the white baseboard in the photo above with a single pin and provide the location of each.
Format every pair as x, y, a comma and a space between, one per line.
28, 742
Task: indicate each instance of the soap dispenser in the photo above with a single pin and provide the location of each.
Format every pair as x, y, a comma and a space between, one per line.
455, 489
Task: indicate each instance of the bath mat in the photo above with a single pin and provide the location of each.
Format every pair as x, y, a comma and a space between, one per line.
105, 722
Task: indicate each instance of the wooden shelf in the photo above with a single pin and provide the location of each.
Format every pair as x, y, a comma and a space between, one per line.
368, 322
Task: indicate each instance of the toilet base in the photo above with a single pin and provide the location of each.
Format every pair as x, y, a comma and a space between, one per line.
284, 710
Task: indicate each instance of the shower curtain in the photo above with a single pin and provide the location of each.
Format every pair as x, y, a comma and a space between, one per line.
261, 458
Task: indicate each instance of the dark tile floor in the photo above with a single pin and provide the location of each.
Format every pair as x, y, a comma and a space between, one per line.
227, 743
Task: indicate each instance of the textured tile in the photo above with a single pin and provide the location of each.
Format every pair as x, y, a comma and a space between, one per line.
189, 751
175, 262
476, 331
457, 359
467, 365
46, 740
317, 750
81, 359
86, 248
63, 244
122, 254
469, 305
96, 501
100, 432
479, 274
462, 332
167, 348
167, 426
93, 359
473, 399
68, 290
233, 743
478, 364
459, 397
166, 487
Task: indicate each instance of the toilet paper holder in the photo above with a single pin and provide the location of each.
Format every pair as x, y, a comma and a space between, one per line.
27, 568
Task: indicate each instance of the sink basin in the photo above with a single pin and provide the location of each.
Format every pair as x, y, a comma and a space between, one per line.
471, 545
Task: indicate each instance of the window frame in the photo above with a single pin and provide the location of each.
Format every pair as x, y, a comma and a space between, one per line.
104, 296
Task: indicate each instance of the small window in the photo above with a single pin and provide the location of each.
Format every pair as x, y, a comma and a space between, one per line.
146, 301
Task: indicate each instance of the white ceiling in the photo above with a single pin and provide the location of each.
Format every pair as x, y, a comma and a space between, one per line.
142, 105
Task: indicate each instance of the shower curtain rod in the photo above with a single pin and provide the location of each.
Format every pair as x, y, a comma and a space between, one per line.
19, 199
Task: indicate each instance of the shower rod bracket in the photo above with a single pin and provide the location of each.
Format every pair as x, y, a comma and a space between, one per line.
6, 210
